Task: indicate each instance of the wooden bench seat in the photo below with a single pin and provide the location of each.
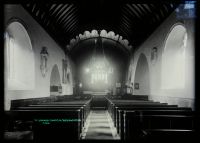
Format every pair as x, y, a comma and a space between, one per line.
49, 124
129, 97
151, 111
134, 122
169, 135
113, 111
85, 108
82, 112
134, 119
69, 102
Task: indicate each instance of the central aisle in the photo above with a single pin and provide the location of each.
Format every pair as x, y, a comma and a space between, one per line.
99, 126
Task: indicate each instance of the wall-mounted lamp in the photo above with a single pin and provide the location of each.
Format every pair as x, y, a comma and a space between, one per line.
43, 62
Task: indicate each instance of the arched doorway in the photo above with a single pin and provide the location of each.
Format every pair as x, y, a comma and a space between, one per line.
173, 59
141, 83
55, 82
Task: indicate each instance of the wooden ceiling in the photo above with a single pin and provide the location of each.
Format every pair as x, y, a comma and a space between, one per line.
134, 21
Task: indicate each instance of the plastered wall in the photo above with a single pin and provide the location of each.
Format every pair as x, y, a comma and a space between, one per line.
184, 97
39, 38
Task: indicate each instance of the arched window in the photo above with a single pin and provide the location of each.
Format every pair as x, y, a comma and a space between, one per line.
19, 58
173, 59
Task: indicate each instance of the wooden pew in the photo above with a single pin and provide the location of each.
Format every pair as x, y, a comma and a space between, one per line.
135, 108
120, 112
57, 109
113, 103
135, 122
71, 103
81, 102
116, 108
146, 105
169, 135
147, 110
122, 103
129, 97
85, 103
84, 108
49, 124
25, 102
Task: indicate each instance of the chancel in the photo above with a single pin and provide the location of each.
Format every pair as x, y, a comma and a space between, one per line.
103, 70
99, 68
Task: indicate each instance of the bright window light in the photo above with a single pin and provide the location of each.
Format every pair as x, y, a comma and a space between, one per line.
173, 60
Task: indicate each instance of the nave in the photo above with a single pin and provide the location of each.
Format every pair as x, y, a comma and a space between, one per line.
104, 70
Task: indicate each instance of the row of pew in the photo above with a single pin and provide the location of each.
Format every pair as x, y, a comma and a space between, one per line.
149, 120
52, 121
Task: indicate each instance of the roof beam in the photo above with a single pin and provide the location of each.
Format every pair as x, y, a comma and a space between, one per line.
67, 17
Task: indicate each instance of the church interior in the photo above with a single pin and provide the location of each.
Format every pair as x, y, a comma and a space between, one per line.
99, 70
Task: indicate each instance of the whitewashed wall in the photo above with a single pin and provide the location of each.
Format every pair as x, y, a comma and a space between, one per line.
182, 97
39, 38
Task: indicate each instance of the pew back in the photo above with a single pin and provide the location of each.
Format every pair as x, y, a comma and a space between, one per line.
51, 124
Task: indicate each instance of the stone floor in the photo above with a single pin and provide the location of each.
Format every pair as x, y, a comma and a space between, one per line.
99, 126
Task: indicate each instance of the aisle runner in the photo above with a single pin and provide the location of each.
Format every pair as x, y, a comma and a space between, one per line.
99, 126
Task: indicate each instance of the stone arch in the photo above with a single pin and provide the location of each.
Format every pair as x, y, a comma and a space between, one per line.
142, 80
55, 81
